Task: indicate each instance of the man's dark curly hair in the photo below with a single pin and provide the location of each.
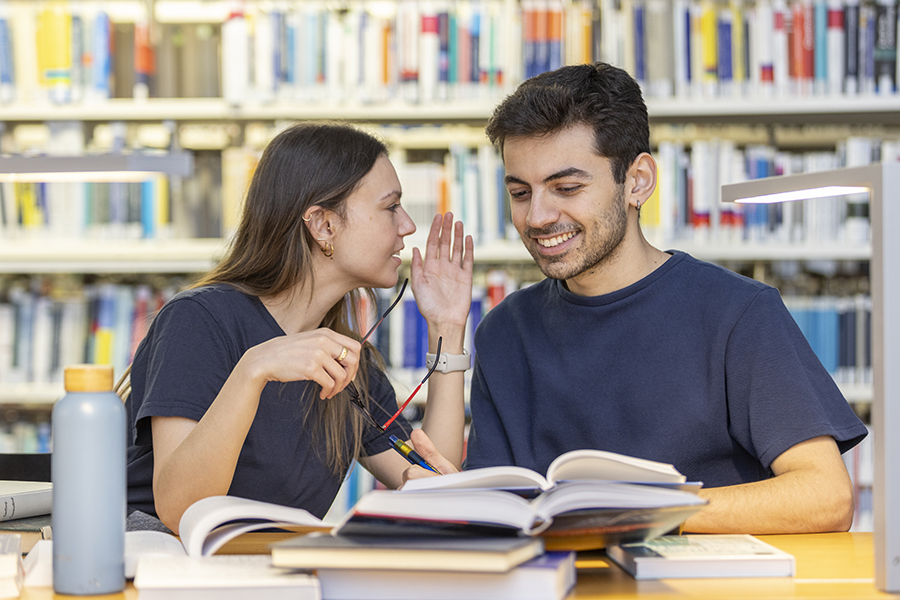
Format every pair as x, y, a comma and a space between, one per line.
598, 95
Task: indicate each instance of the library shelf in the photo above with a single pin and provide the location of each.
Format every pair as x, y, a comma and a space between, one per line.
24, 256
882, 110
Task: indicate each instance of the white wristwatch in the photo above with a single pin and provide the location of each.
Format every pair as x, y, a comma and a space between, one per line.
450, 362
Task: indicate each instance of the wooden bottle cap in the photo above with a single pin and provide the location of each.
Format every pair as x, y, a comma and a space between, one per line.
88, 378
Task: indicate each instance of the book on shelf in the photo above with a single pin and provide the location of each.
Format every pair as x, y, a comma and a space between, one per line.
324, 550
689, 556
29, 529
547, 577
20, 499
514, 501
224, 577
12, 573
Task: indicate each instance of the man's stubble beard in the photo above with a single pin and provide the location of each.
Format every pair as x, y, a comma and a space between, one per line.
610, 226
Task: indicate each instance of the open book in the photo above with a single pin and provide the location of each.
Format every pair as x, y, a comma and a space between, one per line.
608, 497
608, 512
205, 527
576, 465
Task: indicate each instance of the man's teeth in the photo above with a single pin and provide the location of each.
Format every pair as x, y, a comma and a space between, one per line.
556, 241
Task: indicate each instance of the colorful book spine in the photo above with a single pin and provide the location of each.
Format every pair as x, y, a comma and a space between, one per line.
867, 36
709, 48
144, 65
820, 48
429, 53
444, 79
554, 35
638, 20
7, 64
885, 47
780, 47
101, 58
765, 48
724, 57
236, 54
681, 54
836, 47
852, 52
54, 43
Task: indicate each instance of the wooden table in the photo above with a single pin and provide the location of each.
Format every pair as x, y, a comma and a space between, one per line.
829, 565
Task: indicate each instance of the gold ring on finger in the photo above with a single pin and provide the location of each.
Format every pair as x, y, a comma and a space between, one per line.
343, 354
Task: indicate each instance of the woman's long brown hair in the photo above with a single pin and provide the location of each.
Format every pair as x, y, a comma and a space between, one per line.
308, 164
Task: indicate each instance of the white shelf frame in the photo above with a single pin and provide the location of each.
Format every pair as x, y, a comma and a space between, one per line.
883, 182
850, 109
105, 256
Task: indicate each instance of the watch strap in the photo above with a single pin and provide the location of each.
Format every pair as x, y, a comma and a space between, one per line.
449, 363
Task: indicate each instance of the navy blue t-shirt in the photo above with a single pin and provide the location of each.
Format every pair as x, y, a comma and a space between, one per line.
190, 350
693, 365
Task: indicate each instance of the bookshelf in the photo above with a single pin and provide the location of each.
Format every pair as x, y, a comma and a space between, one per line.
432, 130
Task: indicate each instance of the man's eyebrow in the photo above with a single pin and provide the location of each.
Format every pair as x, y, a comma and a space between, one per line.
569, 172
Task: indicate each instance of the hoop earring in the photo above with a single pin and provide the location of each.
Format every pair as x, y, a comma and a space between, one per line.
327, 249
305, 219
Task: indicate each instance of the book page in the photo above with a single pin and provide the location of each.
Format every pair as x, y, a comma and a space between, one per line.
497, 478
207, 514
149, 543
599, 464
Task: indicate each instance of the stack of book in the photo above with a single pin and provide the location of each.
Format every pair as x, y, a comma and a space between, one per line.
484, 532
429, 568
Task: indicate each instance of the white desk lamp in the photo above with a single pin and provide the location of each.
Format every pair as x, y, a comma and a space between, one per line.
882, 182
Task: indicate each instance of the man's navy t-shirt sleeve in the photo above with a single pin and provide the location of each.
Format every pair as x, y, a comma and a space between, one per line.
779, 394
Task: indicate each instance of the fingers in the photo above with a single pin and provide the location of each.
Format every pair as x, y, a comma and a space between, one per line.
420, 441
446, 240
433, 243
335, 361
342, 366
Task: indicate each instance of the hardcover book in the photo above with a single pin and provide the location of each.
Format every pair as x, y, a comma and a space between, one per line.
684, 556
322, 550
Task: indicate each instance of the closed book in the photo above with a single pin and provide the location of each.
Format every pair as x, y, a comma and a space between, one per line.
30, 529
224, 577
323, 550
19, 499
547, 577
685, 556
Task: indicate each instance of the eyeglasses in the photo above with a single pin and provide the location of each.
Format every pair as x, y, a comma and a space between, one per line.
385, 313
354, 393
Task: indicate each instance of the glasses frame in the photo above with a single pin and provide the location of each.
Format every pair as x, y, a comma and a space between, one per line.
355, 399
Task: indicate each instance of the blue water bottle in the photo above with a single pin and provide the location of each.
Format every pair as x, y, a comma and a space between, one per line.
88, 473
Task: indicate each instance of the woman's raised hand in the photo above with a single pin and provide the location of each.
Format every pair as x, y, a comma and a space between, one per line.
442, 280
322, 355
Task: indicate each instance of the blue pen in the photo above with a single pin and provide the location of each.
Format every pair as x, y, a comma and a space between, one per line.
409, 454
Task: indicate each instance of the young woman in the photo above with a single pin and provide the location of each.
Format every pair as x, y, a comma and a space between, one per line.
241, 385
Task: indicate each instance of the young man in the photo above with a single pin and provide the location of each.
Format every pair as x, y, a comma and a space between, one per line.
630, 349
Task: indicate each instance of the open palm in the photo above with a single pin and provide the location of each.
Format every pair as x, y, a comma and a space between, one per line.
442, 280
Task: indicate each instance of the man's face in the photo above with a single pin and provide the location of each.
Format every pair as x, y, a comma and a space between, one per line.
565, 204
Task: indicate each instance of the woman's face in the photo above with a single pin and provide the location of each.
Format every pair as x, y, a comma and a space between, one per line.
368, 243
